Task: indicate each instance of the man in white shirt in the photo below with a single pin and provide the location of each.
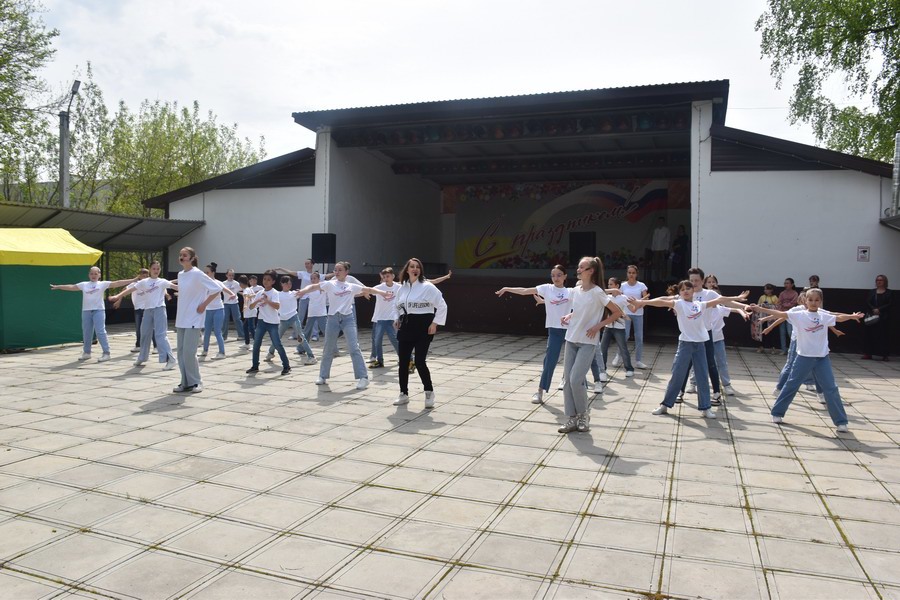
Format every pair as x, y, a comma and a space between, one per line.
659, 245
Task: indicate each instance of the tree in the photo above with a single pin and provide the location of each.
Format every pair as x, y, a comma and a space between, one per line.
855, 41
25, 47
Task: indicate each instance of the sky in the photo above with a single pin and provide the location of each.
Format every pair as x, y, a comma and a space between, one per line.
255, 63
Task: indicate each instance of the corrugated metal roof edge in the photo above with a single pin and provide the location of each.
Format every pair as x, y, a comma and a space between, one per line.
51, 207
802, 151
472, 102
241, 174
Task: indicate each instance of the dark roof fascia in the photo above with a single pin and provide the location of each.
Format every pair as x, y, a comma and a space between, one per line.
254, 170
800, 151
509, 106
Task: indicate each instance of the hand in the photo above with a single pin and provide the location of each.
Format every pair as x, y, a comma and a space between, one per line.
838, 333
746, 315
396, 325
501, 291
117, 304
432, 329
743, 295
201, 309
565, 320
858, 315
389, 296
593, 331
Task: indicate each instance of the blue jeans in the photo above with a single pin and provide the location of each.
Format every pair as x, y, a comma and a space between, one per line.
333, 326
556, 337
788, 365
820, 368
609, 334
713, 372
232, 313
722, 361
313, 326
293, 323
577, 362
638, 321
94, 321
213, 324
596, 365
262, 328
249, 329
784, 333
138, 320
154, 325
302, 309
381, 328
686, 354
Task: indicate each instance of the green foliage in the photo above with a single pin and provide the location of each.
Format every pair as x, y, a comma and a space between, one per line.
854, 41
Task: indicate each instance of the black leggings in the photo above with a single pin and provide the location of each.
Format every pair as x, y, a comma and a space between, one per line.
413, 335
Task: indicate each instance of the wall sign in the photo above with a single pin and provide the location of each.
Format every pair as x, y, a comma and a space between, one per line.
862, 253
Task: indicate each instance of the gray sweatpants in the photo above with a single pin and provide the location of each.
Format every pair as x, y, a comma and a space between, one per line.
188, 341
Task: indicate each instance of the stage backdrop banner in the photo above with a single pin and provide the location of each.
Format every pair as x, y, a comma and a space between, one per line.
527, 225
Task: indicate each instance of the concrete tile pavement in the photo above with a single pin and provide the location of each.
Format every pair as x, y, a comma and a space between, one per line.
111, 486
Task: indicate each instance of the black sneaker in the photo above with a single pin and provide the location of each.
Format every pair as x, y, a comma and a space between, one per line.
679, 398
252, 370
285, 370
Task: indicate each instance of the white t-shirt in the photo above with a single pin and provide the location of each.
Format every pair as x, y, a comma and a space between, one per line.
288, 307
235, 287
318, 304
622, 303
557, 303
194, 287
587, 311
217, 301
267, 312
421, 298
794, 329
718, 329
153, 290
138, 296
340, 295
812, 331
705, 295
304, 278
660, 239
635, 291
691, 320
248, 293
385, 309
92, 294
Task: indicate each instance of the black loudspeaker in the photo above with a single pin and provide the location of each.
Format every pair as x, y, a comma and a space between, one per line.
582, 243
324, 248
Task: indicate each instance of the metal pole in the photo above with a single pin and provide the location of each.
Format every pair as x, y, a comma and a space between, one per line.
64, 159
895, 208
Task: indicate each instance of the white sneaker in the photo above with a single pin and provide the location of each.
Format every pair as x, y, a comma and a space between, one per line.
691, 389
154, 351
843, 428
821, 398
777, 420
429, 399
135, 349
776, 391
245, 346
729, 391
310, 360
138, 363
85, 356
179, 389
629, 373
810, 387
270, 357
204, 352
662, 409
716, 399
362, 384
562, 385
598, 387
197, 388
320, 381
603, 377
679, 398
708, 414
170, 364
104, 358
640, 365
220, 355
401, 400
538, 397
616, 361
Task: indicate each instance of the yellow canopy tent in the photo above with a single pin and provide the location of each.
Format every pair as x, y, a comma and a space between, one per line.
31, 314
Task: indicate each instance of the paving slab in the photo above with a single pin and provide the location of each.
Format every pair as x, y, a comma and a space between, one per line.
113, 486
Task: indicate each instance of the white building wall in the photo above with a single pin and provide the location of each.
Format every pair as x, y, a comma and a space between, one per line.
380, 218
251, 230
761, 227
